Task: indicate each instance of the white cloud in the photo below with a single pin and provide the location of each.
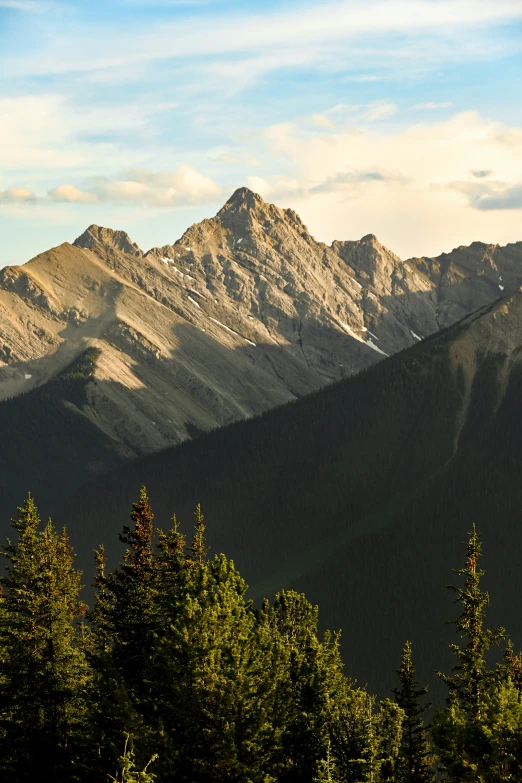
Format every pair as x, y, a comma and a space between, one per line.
31, 6
72, 195
402, 185
349, 113
431, 105
316, 25
490, 196
142, 187
17, 195
185, 180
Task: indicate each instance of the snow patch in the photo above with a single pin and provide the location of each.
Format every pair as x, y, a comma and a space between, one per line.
375, 348
194, 302
373, 335
239, 241
351, 332
189, 277
27, 376
224, 327
355, 281
187, 248
415, 335
501, 287
232, 331
197, 292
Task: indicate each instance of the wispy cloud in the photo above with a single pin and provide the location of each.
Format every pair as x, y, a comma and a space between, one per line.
161, 189
17, 196
490, 196
481, 173
31, 6
431, 106
345, 181
314, 25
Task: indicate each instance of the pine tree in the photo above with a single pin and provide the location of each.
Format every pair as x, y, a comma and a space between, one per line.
311, 679
129, 600
199, 548
44, 671
471, 679
511, 667
214, 689
365, 741
413, 764
117, 716
459, 732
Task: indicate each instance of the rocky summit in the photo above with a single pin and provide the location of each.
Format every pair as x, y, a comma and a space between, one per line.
245, 312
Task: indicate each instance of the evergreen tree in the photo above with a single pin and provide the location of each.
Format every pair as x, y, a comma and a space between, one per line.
199, 548
471, 679
127, 599
312, 683
511, 667
117, 716
459, 732
413, 764
44, 672
365, 741
215, 691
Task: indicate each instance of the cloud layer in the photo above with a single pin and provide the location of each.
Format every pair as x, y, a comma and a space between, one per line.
143, 188
391, 117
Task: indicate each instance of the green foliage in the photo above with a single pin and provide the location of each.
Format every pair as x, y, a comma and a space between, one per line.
215, 691
127, 772
366, 738
44, 673
413, 762
471, 679
477, 737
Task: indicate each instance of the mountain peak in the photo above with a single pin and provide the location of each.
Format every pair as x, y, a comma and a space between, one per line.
117, 240
245, 197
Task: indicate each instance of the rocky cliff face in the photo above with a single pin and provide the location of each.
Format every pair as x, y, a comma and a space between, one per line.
246, 311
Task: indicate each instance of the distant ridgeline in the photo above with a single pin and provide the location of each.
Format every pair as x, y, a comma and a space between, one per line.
173, 675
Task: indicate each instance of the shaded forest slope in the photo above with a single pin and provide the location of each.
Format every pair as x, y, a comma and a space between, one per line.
361, 493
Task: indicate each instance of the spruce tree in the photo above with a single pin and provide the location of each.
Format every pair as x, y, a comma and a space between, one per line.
511, 667
215, 690
413, 763
312, 682
365, 740
459, 732
44, 672
129, 596
471, 678
117, 715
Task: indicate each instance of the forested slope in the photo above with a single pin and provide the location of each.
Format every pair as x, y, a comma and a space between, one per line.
361, 493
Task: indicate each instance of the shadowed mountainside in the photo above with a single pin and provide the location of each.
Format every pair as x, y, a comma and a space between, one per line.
359, 494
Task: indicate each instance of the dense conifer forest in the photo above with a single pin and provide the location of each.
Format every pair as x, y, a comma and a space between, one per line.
174, 675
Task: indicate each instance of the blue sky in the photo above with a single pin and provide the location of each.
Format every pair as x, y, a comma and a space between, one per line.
396, 117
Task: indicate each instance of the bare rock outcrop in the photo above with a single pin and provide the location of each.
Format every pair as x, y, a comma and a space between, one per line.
244, 312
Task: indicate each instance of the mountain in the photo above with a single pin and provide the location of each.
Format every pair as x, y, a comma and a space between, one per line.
360, 494
246, 311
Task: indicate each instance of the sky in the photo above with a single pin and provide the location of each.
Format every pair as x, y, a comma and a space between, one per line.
400, 118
